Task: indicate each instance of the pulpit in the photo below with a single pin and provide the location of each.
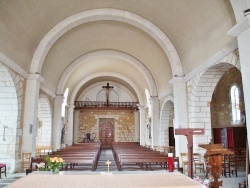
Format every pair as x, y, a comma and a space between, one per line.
215, 152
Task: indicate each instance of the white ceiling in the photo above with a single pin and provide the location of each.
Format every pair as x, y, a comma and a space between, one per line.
197, 30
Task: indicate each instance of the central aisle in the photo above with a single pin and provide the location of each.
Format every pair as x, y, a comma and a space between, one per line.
106, 154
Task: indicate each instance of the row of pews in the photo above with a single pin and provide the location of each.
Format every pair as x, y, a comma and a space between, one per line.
80, 156
132, 155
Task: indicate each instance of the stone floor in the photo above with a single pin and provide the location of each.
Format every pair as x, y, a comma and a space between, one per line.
229, 182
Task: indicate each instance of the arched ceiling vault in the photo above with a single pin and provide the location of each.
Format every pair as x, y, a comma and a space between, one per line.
168, 38
107, 57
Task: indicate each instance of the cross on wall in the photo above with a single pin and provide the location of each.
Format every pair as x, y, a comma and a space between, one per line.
107, 87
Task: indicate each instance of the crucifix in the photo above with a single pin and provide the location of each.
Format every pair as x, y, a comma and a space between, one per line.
108, 163
107, 87
188, 132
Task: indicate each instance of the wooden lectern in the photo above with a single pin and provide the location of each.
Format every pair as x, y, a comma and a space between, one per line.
189, 132
214, 153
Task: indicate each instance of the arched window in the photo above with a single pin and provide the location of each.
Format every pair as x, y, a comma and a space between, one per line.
148, 102
64, 102
235, 103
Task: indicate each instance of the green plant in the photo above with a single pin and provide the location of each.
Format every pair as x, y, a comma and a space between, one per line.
54, 163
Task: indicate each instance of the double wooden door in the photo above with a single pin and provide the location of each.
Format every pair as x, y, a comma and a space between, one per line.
106, 131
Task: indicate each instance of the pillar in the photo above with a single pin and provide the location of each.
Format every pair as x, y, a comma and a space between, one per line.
69, 140
76, 125
137, 126
30, 119
142, 126
57, 122
242, 31
180, 112
155, 121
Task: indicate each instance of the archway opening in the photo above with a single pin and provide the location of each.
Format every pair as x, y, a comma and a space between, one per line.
8, 119
44, 131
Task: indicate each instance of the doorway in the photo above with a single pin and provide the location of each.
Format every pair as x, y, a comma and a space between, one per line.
106, 132
171, 136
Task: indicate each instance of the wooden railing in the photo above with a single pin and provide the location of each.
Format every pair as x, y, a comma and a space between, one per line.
109, 105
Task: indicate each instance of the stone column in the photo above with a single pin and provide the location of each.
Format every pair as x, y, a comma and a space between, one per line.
69, 140
57, 122
180, 112
76, 126
155, 121
137, 126
242, 31
30, 119
142, 126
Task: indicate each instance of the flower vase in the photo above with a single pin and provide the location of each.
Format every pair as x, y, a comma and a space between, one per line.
55, 170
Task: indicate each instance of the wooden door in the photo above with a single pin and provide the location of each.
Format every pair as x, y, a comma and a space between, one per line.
171, 136
106, 132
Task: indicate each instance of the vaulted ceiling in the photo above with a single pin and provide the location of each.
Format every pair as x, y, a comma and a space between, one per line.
105, 46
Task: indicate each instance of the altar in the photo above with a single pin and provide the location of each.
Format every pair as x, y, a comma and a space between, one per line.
106, 180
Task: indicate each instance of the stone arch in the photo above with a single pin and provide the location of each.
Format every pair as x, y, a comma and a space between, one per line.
11, 94
107, 53
200, 93
112, 74
166, 110
44, 134
105, 14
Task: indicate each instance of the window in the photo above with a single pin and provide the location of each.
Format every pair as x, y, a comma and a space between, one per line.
235, 102
148, 102
64, 101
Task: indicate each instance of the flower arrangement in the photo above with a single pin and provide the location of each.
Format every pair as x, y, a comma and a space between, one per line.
41, 167
54, 163
205, 182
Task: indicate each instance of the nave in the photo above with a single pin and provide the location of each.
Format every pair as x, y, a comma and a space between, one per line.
106, 154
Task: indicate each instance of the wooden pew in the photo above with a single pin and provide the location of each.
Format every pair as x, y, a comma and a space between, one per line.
77, 157
131, 154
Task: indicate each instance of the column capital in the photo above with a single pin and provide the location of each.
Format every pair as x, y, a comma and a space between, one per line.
71, 106
175, 80
141, 107
59, 98
240, 27
153, 98
37, 77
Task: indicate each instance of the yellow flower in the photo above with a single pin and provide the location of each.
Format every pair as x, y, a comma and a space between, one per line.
52, 159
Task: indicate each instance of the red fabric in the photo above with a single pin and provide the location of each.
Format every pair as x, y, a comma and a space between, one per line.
230, 138
217, 136
2, 165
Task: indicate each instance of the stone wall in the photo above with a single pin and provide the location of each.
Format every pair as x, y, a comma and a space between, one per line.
221, 113
124, 124
12, 87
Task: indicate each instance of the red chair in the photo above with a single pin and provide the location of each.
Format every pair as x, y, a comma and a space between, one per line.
2, 169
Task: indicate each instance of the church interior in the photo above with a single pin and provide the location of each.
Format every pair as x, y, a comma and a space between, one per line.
125, 76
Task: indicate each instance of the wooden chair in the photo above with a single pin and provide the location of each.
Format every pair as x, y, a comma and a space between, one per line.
184, 159
198, 164
229, 165
26, 159
2, 170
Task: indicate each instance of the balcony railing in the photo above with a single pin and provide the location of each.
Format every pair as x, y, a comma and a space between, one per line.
109, 105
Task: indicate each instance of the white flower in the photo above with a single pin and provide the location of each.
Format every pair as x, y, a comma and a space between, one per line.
40, 165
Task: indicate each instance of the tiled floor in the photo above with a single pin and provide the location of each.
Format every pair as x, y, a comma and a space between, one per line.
229, 182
